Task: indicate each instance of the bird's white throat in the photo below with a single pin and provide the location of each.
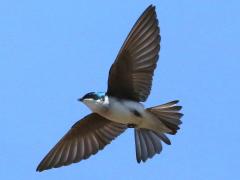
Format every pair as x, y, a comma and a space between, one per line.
97, 105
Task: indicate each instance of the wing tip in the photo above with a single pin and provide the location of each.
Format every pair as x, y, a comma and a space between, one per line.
151, 6
40, 169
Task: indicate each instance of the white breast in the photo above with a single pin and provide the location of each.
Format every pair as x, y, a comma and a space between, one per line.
122, 111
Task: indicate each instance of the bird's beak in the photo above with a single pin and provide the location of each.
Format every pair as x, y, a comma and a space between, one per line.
80, 99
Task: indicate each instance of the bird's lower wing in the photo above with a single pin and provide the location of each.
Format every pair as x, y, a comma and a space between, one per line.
85, 138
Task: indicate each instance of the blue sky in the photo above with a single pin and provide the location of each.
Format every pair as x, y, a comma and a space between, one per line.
53, 52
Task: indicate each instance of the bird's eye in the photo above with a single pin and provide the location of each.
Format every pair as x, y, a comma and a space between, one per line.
95, 97
102, 98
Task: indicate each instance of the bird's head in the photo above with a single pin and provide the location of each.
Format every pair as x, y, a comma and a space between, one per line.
93, 99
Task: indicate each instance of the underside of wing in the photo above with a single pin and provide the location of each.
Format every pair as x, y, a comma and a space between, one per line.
130, 76
85, 138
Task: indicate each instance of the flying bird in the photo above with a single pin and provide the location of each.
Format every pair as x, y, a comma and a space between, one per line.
120, 108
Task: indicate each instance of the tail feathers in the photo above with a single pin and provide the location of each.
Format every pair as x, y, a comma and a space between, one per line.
148, 143
168, 114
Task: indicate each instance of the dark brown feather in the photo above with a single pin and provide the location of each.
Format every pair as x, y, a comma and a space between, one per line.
130, 76
85, 138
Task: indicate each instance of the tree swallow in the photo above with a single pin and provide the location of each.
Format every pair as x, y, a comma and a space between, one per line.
129, 84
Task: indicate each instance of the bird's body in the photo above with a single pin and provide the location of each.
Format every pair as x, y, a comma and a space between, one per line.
118, 110
129, 85
126, 112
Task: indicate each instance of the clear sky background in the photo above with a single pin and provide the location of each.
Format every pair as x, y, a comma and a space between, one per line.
53, 52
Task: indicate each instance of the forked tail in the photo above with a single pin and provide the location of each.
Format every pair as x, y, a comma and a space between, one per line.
148, 143
168, 114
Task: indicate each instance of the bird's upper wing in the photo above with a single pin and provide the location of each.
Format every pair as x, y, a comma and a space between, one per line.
130, 76
86, 137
